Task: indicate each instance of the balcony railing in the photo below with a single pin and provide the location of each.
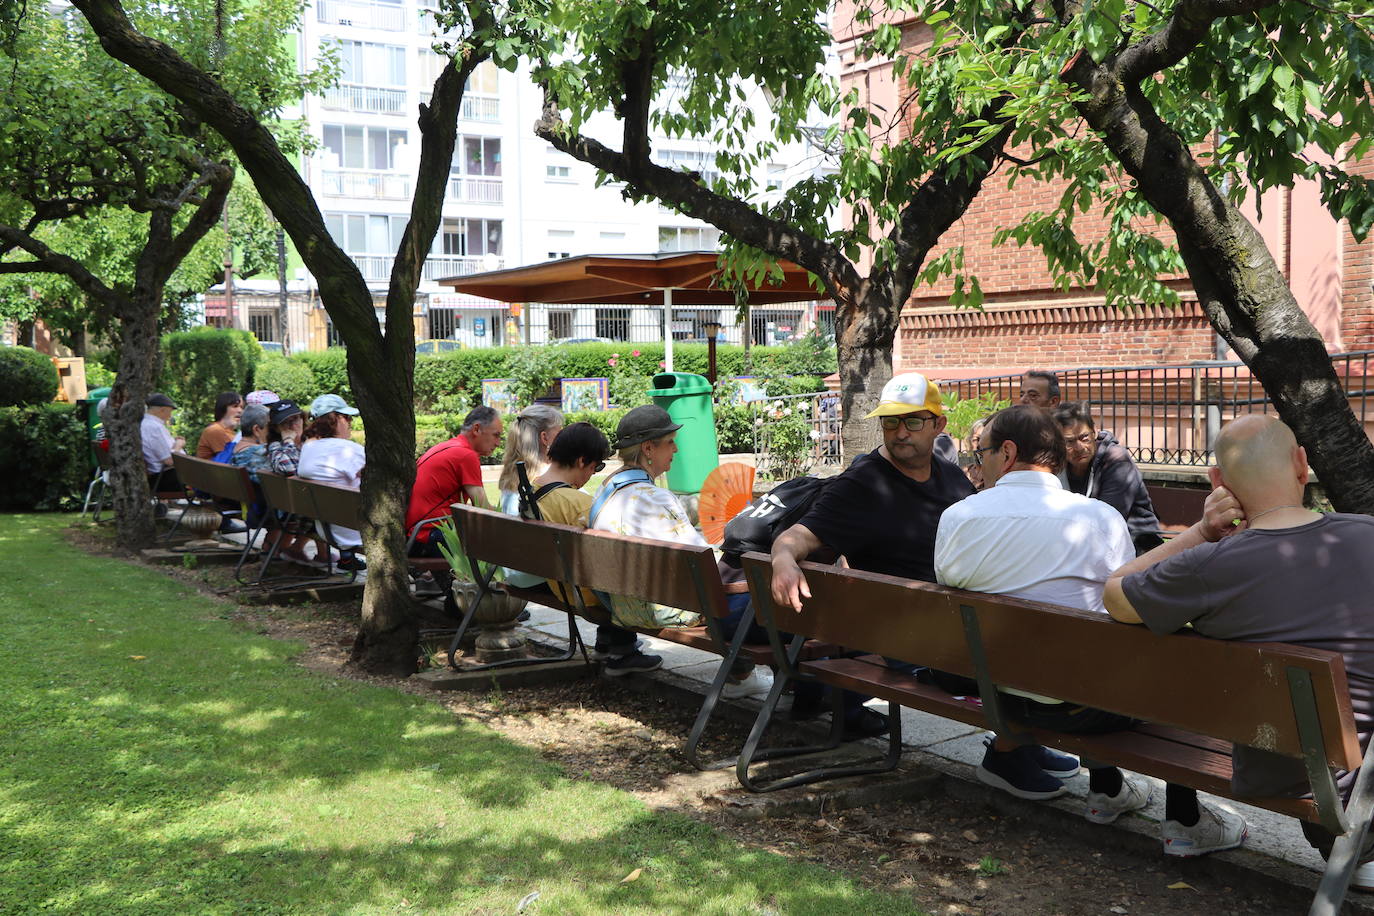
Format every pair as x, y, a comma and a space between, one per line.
367, 99
474, 190
390, 17
367, 183
1172, 414
377, 268
475, 107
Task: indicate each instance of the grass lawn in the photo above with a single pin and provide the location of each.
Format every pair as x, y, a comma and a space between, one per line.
155, 758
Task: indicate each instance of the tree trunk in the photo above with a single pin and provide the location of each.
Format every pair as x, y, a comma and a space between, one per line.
863, 341
138, 357
1242, 289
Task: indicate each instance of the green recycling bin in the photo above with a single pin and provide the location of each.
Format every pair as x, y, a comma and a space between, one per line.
687, 398
88, 407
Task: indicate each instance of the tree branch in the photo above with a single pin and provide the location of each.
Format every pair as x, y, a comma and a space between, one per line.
58, 263
1187, 26
26, 267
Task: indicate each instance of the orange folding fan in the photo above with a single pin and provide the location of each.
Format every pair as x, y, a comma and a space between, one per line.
726, 491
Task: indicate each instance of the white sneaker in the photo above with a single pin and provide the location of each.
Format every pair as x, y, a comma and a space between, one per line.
1363, 878
759, 681
1214, 831
1104, 809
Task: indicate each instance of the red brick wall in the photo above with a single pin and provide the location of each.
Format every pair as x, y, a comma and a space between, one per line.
1357, 272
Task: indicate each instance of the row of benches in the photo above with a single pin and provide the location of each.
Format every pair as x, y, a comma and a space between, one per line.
1198, 695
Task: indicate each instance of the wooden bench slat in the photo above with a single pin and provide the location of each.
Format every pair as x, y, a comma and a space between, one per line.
223, 480
1234, 691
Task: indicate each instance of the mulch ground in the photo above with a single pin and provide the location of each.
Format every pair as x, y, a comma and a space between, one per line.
952, 856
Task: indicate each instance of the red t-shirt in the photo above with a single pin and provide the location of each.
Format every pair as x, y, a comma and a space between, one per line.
440, 476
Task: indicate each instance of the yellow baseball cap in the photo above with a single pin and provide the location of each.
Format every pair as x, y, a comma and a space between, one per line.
908, 393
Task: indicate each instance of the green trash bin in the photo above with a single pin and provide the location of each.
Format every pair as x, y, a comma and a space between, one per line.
88, 407
687, 398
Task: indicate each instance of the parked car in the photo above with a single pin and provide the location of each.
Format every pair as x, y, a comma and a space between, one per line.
430, 347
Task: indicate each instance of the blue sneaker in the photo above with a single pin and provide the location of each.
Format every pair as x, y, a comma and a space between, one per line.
1061, 766
1019, 773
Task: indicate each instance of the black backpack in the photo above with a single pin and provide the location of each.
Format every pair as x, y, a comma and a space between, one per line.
760, 523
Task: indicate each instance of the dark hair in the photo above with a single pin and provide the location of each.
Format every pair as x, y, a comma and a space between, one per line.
322, 427
226, 400
1039, 440
579, 440
1072, 413
483, 415
1050, 378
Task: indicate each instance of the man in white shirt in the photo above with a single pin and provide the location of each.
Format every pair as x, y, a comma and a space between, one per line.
1028, 537
158, 442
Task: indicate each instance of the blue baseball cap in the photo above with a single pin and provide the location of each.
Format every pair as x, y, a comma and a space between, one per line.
331, 403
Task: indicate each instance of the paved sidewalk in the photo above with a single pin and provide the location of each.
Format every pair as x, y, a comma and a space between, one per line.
955, 748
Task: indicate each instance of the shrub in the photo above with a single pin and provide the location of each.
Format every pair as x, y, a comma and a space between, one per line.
734, 428
330, 371
202, 362
27, 377
97, 376
289, 377
44, 457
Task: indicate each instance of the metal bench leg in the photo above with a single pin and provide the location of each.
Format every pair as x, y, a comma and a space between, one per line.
1345, 853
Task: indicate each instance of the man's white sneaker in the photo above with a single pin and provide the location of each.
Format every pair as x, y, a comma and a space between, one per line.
759, 681
1104, 809
1214, 831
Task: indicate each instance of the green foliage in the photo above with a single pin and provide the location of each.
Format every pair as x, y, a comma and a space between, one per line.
199, 364
26, 377
291, 378
330, 371
532, 371
44, 457
734, 428
604, 420
962, 413
787, 438
990, 867
97, 376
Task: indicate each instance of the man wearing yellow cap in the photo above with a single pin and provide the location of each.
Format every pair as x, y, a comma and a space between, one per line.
882, 513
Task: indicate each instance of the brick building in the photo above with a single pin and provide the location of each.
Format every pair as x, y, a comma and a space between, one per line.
1026, 321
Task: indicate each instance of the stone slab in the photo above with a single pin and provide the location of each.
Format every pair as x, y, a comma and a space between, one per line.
163, 556
553, 672
321, 592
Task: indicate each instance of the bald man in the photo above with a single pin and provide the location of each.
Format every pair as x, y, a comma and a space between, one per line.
1260, 567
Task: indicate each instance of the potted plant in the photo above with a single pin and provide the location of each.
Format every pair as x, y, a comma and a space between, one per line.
498, 613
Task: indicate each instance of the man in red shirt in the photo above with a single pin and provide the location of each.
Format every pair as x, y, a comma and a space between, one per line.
451, 472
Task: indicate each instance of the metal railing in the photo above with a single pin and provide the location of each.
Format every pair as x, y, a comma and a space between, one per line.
377, 268
795, 433
365, 183
389, 17
474, 190
474, 107
1171, 414
367, 99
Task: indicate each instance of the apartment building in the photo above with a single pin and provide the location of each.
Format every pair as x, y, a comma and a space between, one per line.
511, 199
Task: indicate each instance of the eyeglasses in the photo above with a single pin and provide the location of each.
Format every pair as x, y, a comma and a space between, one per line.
1085, 439
978, 453
913, 424
600, 466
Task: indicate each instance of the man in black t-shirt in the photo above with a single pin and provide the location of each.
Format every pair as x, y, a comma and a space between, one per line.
882, 513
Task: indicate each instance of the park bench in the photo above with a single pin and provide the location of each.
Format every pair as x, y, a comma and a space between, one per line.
208, 481
676, 575
1290, 700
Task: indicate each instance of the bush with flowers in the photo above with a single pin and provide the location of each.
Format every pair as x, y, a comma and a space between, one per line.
787, 438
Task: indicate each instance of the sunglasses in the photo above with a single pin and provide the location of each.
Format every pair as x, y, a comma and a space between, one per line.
600, 466
978, 453
913, 424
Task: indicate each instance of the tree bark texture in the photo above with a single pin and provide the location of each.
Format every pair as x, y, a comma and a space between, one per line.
1238, 283
380, 362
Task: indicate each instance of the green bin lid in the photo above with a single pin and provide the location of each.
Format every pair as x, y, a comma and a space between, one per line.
675, 383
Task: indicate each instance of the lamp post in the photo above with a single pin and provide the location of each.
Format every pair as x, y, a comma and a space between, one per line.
712, 329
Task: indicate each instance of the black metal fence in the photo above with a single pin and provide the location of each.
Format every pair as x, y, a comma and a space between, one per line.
1171, 414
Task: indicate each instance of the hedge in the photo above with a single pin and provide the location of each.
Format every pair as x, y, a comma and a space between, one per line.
27, 377
44, 457
290, 379
330, 371
200, 364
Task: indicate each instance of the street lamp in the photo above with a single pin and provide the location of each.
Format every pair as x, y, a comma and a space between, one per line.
712, 329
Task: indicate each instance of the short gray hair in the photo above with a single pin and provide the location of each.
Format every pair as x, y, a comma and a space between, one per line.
484, 415
254, 415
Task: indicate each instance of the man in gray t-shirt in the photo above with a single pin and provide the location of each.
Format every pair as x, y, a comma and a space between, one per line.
1259, 567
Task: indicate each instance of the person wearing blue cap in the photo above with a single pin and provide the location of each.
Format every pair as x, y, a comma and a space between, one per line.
330, 456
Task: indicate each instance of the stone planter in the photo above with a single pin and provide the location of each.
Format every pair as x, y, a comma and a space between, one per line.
498, 638
201, 521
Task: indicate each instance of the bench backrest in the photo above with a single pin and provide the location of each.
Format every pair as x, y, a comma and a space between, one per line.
675, 575
276, 492
332, 505
1238, 692
223, 480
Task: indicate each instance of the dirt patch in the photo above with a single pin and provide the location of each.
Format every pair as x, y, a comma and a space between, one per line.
949, 855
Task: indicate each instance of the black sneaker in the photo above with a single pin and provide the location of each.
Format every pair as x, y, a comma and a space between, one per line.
864, 724
1019, 773
232, 526
350, 562
629, 664
602, 651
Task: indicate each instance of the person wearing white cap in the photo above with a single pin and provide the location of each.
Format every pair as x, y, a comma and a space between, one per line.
882, 513
330, 456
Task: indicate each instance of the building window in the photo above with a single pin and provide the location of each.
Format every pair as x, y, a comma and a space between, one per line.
774, 326
366, 233
477, 156
332, 338
612, 235
444, 324
483, 79
613, 324
560, 325
774, 177
469, 237
688, 238
363, 147
558, 172
263, 324
689, 160
366, 63
559, 255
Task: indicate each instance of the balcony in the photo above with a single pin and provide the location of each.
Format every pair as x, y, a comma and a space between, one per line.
388, 17
366, 99
365, 183
485, 108
474, 190
377, 268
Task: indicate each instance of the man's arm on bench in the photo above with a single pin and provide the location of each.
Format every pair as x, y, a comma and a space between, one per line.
791, 547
